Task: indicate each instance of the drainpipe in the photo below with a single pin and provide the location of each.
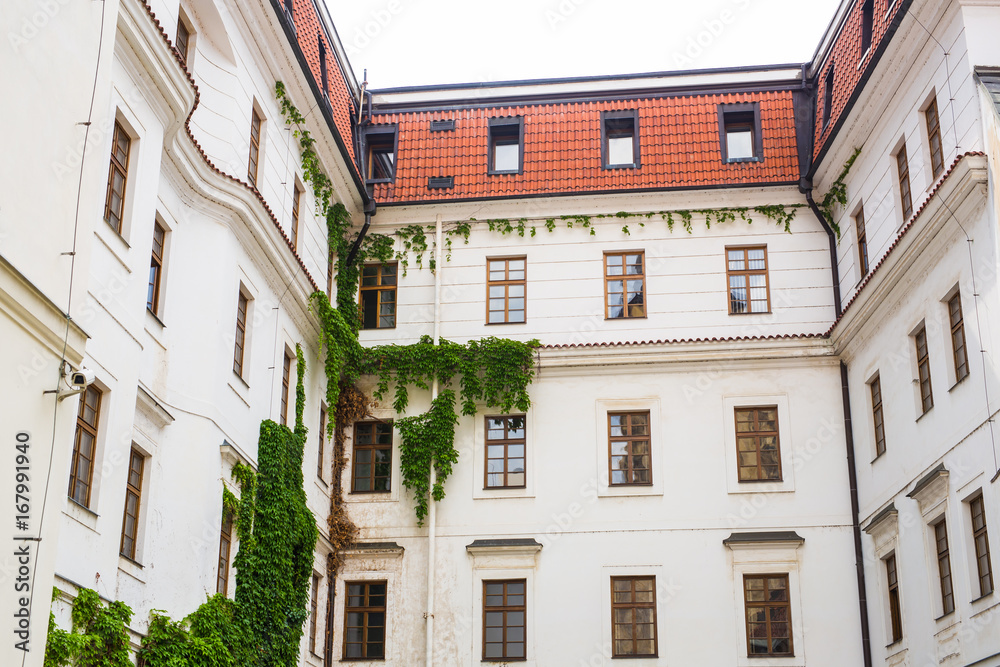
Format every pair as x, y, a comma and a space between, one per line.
828, 228
432, 505
369, 212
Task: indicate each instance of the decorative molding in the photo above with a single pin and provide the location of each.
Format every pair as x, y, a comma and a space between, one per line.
931, 490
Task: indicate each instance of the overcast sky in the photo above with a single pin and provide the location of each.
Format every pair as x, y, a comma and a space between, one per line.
419, 42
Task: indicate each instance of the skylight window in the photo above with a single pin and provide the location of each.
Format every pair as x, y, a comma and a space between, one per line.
739, 130
620, 145
380, 154
506, 145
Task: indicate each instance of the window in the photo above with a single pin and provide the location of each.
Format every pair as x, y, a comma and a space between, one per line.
739, 132
380, 154
506, 138
958, 337
225, 546
984, 569
757, 449
828, 96
633, 616
313, 613
625, 285
892, 583
378, 296
944, 567
286, 380
505, 286
372, 463
620, 139
903, 170
746, 269
504, 611
85, 446
859, 223
242, 305
114, 201
364, 620
322, 442
155, 269
505, 452
629, 448
255, 123
934, 137
877, 419
133, 496
867, 23
324, 76
923, 370
296, 198
183, 38
769, 614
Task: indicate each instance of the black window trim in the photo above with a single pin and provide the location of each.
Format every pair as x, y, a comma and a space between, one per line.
505, 122
606, 116
758, 139
380, 130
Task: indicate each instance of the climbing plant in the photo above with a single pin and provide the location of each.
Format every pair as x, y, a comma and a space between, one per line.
98, 636
837, 194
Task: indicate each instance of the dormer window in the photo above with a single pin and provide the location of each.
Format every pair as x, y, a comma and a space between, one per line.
739, 132
620, 139
828, 96
506, 145
867, 23
380, 154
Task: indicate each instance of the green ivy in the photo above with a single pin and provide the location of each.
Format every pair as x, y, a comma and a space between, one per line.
428, 440
212, 636
837, 194
98, 637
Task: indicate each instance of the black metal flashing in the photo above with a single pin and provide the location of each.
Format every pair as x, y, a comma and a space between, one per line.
375, 546
938, 470
440, 182
508, 542
764, 537
884, 514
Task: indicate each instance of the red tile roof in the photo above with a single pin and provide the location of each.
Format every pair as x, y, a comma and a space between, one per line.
679, 147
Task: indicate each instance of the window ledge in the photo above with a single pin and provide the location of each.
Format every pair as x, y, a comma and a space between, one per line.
944, 618
621, 166
743, 160
243, 382
85, 516
985, 605
494, 324
131, 568
626, 319
512, 172
958, 382
923, 414
373, 181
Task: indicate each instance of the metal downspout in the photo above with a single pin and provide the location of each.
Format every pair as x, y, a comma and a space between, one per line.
432, 505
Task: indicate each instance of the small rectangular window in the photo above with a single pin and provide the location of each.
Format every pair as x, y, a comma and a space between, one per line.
740, 132
620, 139
505, 286
828, 96
365, 620
255, 126
980, 538
286, 381
923, 370
324, 76
313, 613
225, 547
624, 285
944, 567
506, 141
155, 269
380, 154
859, 222
892, 585
242, 306
296, 199
757, 447
746, 269
505, 455
629, 450
371, 466
867, 24
322, 443
934, 137
183, 38
903, 171
769, 614
114, 201
958, 337
876, 389
133, 498
504, 619
378, 296
85, 446
633, 616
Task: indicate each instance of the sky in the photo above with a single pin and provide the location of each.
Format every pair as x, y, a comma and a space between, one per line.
428, 42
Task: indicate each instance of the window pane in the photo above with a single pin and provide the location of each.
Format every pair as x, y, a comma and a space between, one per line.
506, 157
620, 150
739, 144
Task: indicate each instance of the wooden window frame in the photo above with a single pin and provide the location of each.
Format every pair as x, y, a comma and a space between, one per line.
256, 129
746, 273
624, 278
365, 610
933, 122
506, 608
903, 176
377, 139
892, 590
321, 453
379, 288
756, 436
629, 457
507, 282
372, 447
981, 545
286, 382
183, 41
225, 552
296, 200
505, 131
633, 605
613, 124
859, 225
923, 370
156, 268
239, 348
121, 150
506, 443
878, 418
960, 353
742, 116
313, 613
133, 489
768, 604
91, 398
940, 529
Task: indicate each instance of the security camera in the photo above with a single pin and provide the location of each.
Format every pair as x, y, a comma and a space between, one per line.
82, 378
